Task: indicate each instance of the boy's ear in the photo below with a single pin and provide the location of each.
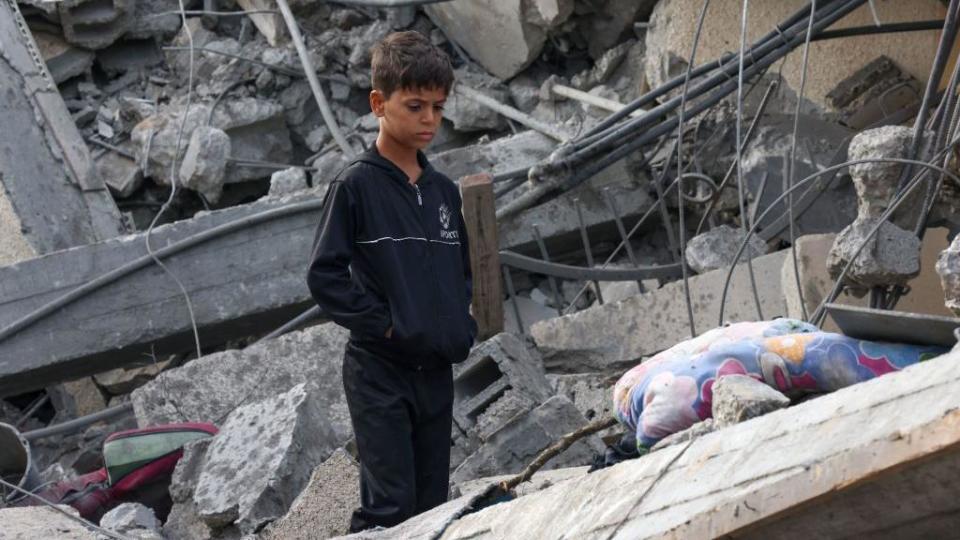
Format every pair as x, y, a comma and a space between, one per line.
377, 102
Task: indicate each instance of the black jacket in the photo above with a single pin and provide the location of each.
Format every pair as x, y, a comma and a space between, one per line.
389, 253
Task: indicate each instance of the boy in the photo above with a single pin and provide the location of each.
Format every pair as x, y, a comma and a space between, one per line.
391, 265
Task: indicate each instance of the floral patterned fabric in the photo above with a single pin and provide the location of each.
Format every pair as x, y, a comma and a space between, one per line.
674, 389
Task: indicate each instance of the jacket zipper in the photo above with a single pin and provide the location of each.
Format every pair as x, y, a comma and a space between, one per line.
419, 198
433, 268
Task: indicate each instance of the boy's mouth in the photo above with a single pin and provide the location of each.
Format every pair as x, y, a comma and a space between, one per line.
426, 135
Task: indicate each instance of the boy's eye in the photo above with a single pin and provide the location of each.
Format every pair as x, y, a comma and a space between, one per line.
438, 107
414, 107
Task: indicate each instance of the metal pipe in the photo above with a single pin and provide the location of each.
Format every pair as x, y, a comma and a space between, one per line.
590, 99
77, 424
473, 95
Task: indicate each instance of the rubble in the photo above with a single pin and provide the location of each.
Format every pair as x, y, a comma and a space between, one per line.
737, 398
63, 60
717, 247
877, 183
324, 507
287, 181
94, 24
539, 481
891, 257
872, 92
511, 448
261, 459
520, 28
616, 335
697, 430
35, 522
209, 388
205, 162
131, 518
183, 522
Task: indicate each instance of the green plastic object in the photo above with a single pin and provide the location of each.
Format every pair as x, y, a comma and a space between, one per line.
126, 452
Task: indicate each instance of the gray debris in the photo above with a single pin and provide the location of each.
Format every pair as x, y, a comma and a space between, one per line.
512, 448
866, 96
262, 458
205, 163
948, 267
121, 174
876, 183
468, 115
605, 27
130, 517
63, 60
288, 181
183, 522
207, 389
121, 381
737, 398
34, 522
590, 392
539, 481
892, 256
717, 247
324, 507
94, 24
604, 67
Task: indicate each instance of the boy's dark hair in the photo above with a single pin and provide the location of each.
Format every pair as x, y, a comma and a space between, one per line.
409, 60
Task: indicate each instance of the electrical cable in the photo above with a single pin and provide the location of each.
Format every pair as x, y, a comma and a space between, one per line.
173, 186
741, 194
680, 202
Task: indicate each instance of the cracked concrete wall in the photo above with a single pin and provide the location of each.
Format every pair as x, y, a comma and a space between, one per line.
675, 21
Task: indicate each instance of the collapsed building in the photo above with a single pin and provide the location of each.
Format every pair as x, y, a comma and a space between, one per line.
652, 174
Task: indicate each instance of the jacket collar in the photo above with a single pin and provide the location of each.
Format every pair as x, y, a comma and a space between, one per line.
373, 157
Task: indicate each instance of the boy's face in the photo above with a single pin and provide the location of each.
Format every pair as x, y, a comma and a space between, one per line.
410, 117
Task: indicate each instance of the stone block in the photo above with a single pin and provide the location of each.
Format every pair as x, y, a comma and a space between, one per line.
324, 507
877, 182
871, 92
287, 181
496, 365
592, 393
205, 163
130, 518
121, 381
183, 522
63, 60
95, 24
615, 335
948, 268
261, 459
737, 398
539, 481
471, 24
209, 388
891, 256
717, 247
515, 445
77, 398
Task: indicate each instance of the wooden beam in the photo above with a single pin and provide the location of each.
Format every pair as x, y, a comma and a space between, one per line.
479, 214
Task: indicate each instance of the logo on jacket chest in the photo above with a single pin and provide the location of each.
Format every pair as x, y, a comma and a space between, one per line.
445, 224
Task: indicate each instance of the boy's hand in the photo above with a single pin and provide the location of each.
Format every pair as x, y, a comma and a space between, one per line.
389, 332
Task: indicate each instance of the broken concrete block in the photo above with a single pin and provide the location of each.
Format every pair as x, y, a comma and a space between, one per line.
507, 405
737, 398
469, 115
77, 398
891, 257
606, 26
603, 68
324, 508
125, 380
428, 525
494, 157
364, 40
871, 92
32, 522
207, 389
94, 24
120, 173
183, 522
256, 128
717, 247
261, 459
205, 162
531, 312
515, 445
876, 183
496, 365
948, 268
63, 60
129, 518
287, 181
129, 55
519, 41
590, 392
615, 335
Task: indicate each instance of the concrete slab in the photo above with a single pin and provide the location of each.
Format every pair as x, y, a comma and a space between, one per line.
35, 522
806, 471
616, 335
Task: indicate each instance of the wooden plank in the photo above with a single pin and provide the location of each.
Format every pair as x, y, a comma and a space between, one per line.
480, 216
246, 282
873, 460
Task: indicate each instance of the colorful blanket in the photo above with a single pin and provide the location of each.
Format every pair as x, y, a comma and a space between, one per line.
673, 390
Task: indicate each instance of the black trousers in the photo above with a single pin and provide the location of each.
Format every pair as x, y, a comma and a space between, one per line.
401, 420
